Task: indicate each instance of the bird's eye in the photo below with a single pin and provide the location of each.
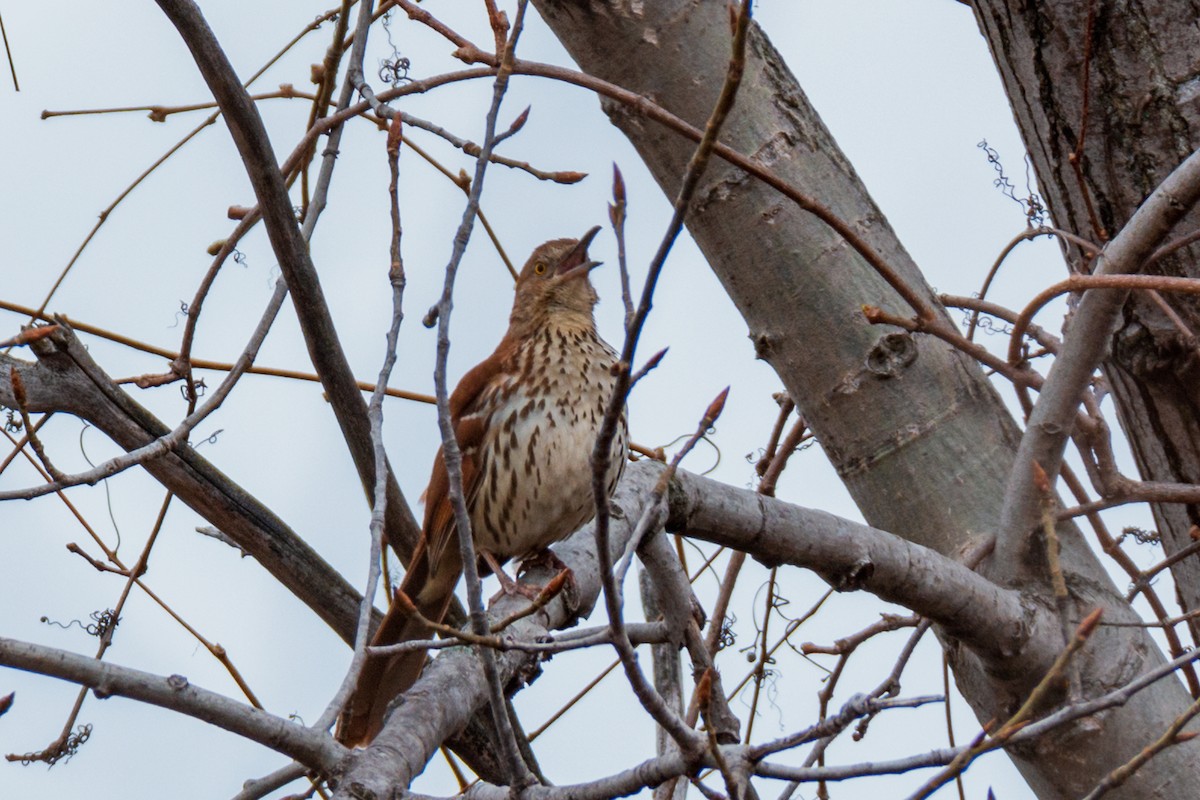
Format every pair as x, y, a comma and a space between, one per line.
539, 267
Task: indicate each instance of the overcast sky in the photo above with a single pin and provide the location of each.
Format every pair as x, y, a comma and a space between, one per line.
908, 89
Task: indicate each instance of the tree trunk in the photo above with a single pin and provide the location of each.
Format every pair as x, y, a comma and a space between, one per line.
912, 426
1129, 90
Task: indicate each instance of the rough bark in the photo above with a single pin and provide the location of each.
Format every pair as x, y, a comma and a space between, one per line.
913, 427
1138, 118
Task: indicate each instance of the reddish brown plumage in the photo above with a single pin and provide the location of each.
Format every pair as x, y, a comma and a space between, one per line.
526, 419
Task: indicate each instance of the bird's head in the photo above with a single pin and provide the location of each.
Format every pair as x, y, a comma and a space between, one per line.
554, 283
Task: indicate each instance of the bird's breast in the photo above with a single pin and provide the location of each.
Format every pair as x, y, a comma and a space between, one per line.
535, 483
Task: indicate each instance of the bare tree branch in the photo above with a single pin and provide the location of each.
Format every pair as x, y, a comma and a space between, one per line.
260, 787
994, 622
314, 748
291, 250
67, 379
1084, 348
518, 772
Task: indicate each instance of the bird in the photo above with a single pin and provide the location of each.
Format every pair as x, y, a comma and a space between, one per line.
526, 420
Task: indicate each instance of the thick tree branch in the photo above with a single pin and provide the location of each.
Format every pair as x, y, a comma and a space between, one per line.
291, 250
67, 379
668, 680
314, 748
1085, 346
675, 596
996, 623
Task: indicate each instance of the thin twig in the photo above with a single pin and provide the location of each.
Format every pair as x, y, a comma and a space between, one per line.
1026, 235
1173, 735
396, 279
1082, 283
1075, 158
212, 118
519, 774
666, 718
1037, 697
1058, 583
616, 214
39, 450
646, 107
178, 436
12, 65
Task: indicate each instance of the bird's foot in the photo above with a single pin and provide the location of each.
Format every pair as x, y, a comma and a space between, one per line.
563, 581
540, 595
508, 586
542, 559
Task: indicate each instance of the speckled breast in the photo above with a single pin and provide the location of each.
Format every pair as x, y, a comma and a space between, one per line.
535, 483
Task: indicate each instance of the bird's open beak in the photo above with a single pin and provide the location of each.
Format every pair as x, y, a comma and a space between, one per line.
576, 262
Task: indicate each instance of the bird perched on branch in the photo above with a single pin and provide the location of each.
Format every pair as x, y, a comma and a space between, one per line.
526, 420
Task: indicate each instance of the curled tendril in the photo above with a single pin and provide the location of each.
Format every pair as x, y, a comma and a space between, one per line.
986, 324
1031, 203
210, 439
62, 751
1139, 535
707, 440
768, 681
727, 637
199, 386
393, 70
181, 313
102, 622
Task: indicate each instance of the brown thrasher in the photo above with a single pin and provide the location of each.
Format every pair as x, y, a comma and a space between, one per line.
526, 421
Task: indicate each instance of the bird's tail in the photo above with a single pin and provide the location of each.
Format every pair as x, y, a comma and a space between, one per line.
383, 678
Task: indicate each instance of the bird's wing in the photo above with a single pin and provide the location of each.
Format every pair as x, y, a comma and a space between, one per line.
469, 415
433, 571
